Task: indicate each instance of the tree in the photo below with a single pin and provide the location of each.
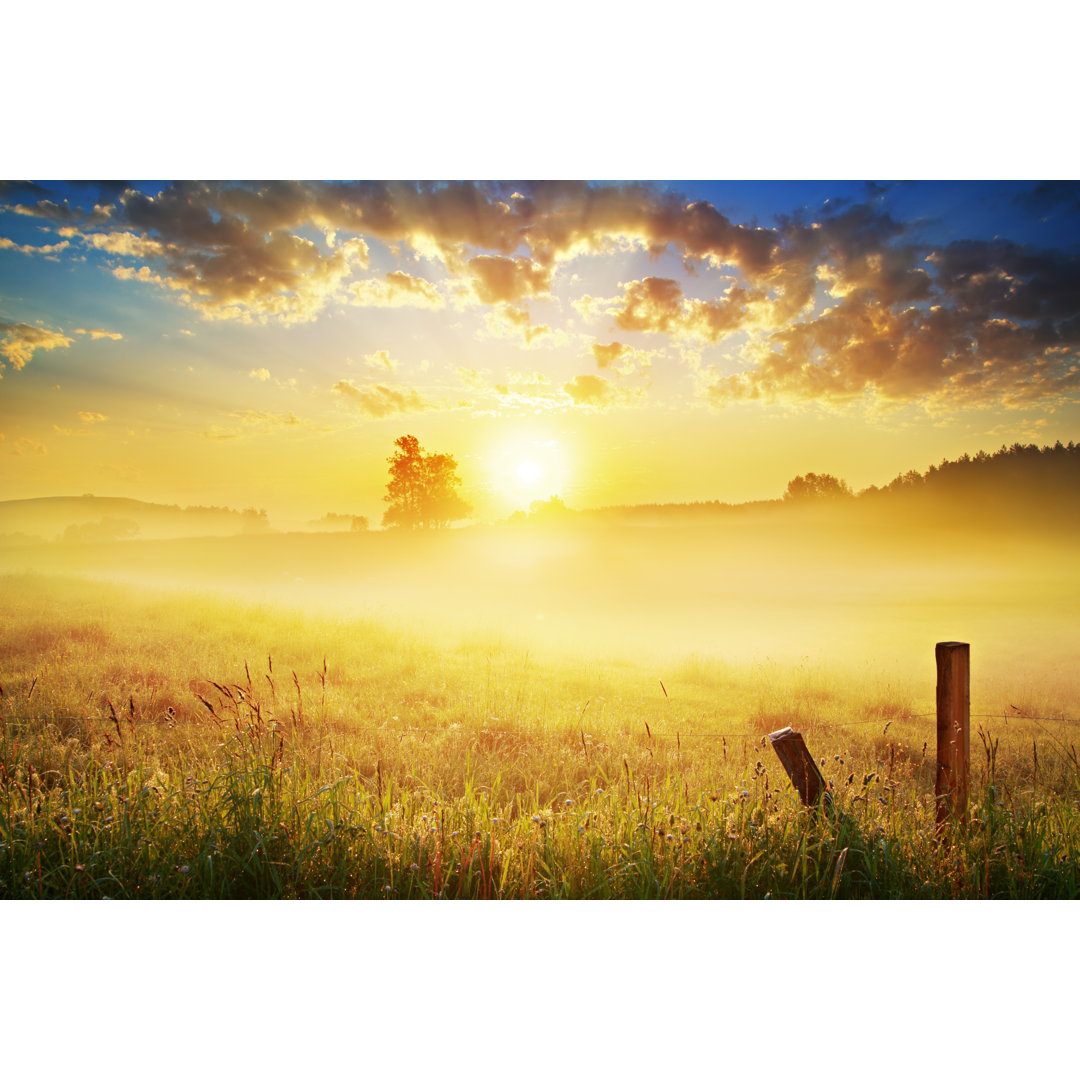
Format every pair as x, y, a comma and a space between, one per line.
816, 486
421, 491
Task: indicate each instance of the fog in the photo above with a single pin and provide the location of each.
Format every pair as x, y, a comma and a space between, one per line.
853, 587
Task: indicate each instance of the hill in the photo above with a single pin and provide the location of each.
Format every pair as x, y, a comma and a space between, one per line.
94, 518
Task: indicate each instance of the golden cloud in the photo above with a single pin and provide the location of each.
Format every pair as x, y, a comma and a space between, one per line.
657, 305
397, 289
508, 321
99, 335
48, 250
378, 401
496, 279
92, 417
859, 350
18, 341
596, 392
266, 419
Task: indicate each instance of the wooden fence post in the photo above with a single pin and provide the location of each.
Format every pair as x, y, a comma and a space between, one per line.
800, 766
953, 730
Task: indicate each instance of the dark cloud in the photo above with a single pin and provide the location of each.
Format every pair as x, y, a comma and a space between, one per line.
1051, 195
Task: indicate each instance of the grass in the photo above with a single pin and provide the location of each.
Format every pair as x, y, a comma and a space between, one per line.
183, 746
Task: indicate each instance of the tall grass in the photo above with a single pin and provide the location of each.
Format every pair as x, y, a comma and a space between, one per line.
159, 746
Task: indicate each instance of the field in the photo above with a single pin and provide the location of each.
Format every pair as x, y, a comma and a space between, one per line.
401, 724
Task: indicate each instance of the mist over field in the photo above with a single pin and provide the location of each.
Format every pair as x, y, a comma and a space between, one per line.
855, 586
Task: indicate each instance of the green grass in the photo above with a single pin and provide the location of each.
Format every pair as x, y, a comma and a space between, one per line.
183, 746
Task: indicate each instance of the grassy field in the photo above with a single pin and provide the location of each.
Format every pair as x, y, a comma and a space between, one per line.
163, 744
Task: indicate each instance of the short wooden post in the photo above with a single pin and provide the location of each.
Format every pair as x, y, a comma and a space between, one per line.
953, 730
800, 766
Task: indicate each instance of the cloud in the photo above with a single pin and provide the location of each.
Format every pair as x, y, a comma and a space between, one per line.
92, 417
1051, 195
98, 335
262, 374
18, 341
266, 419
608, 357
496, 279
24, 446
515, 323
378, 401
657, 306
381, 358
218, 262
598, 393
48, 250
397, 289
820, 297
942, 357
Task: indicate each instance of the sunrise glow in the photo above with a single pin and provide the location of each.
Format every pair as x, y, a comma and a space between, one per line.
264, 344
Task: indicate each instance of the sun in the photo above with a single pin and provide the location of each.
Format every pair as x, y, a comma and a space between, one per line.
528, 472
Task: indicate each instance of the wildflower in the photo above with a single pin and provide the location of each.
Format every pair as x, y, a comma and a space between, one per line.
414, 867
185, 869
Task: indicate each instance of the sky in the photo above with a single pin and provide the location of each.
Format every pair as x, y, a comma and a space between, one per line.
264, 344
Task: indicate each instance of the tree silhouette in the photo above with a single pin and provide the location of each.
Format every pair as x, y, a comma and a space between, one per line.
421, 491
816, 486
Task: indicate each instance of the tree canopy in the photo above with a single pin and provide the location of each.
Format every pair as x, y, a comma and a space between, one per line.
816, 486
422, 489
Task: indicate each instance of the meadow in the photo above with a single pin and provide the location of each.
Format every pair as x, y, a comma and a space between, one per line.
194, 722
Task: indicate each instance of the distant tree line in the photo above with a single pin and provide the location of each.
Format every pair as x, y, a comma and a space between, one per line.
1052, 471
1018, 473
